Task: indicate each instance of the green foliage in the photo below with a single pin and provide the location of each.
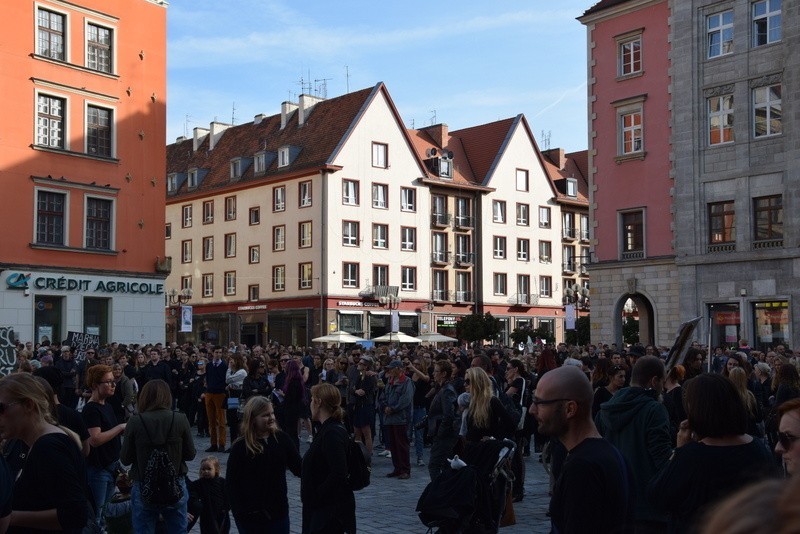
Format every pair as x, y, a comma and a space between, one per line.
520, 335
477, 327
582, 333
630, 330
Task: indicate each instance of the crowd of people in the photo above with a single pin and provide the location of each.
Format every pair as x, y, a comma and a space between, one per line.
634, 446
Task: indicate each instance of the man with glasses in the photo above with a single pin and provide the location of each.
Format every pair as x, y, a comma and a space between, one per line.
594, 489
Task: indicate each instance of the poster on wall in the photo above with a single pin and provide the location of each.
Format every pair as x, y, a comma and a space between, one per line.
186, 319
8, 353
44, 333
81, 342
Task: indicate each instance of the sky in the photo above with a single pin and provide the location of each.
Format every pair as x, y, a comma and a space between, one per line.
462, 63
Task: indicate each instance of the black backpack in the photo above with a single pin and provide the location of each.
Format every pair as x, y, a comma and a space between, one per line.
160, 484
359, 465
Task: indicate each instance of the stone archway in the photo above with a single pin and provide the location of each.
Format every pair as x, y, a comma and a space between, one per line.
646, 313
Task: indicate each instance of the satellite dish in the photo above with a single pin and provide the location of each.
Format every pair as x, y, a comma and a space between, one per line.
431, 152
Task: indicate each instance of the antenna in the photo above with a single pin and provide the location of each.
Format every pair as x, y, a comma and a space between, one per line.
233, 114
546, 140
347, 76
322, 87
412, 124
186, 120
433, 117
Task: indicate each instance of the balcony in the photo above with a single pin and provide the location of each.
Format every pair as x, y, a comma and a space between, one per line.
465, 221
441, 219
465, 258
569, 232
441, 295
524, 299
768, 243
464, 296
440, 257
584, 235
717, 248
632, 255
568, 266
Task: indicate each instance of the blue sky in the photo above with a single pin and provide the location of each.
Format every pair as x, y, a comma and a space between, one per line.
469, 61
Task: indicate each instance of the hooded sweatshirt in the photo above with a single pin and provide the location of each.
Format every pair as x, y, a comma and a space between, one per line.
638, 425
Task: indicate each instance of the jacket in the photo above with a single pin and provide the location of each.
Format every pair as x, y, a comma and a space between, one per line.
136, 447
399, 394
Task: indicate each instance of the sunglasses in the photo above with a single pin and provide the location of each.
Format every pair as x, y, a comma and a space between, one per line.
541, 402
284, 361
784, 438
5, 405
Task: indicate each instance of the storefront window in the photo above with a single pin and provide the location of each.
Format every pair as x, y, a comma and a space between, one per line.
725, 324
48, 319
409, 324
351, 323
771, 320
95, 318
378, 325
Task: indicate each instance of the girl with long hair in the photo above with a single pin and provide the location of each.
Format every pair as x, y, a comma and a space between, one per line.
486, 416
293, 399
738, 376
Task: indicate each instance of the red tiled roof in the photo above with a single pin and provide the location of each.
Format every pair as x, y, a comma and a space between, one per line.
575, 166
603, 4
482, 145
462, 170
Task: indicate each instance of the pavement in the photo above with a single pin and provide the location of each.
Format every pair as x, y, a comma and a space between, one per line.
388, 504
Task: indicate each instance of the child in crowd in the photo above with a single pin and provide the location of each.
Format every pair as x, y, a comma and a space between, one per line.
208, 500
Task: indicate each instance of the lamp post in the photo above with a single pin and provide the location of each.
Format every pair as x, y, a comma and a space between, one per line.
392, 302
177, 298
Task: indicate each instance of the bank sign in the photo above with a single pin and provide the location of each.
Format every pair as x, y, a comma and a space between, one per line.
84, 285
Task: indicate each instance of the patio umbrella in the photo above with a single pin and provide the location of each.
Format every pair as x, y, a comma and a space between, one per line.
435, 337
337, 337
398, 337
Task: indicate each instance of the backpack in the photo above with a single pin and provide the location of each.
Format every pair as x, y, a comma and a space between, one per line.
359, 465
160, 484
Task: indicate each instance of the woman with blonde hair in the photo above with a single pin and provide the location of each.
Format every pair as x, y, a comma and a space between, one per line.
738, 376
50, 492
486, 416
256, 473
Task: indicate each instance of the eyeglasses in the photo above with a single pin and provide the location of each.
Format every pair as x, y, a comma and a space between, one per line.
89, 352
541, 402
284, 361
4, 406
784, 438
107, 383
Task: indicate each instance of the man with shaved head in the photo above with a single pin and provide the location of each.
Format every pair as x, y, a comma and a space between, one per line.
594, 491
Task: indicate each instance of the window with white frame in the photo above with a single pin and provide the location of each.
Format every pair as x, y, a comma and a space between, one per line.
499, 211
279, 237
172, 182
568, 258
584, 227
230, 208
631, 132
720, 119
208, 285
522, 180
305, 194
186, 218
572, 187
99, 42
766, 22
186, 251
523, 215
279, 198
254, 252
380, 275
350, 192
545, 252
186, 282
236, 168
408, 199
279, 278
439, 285
208, 248
464, 249
499, 247
50, 218
168, 231
630, 56
99, 223
208, 211
464, 212
408, 238
408, 278
568, 225
500, 284
767, 116
632, 234
191, 179
524, 289
99, 124
230, 245
260, 163
463, 286
306, 280
380, 155
252, 292
380, 236
544, 217
283, 156
349, 274
380, 195
546, 286
50, 121
523, 249
51, 34
719, 33
304, 232
230, 283
350, 233
439, 247
255, 216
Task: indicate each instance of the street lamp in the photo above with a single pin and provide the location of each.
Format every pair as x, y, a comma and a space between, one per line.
178, 298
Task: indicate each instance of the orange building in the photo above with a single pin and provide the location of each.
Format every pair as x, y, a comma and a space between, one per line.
82, 163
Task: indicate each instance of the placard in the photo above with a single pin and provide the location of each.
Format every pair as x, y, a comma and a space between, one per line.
81, 342
8, 352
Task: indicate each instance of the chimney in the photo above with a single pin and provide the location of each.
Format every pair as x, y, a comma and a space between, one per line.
217, 128
439, 134
557, 156
287, 108
180, 139
307, 103
199, 136
258, 118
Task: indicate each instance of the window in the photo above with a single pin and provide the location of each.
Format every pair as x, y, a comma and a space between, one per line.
584, 227
349, 275
208, 248
499, 247
545, 286
720, 34
720, 119
283, 156
350, 192
172, 182
464, 212
523, 215
279, 278
545, 252
279, 198
380, 193
439, 285
522, 180
99, 41
98, 131
254, 252
255, 216
767, 111
350, 233
208, 212
631, 132
168, 231
230, 208
305, 194
186, 219
445, 167
191, 180
572, 187
50, 213
568, 225
463, 286
544, 217
50, 121
630, 56
380, 275
523, 249
380, 155
252, 292
408, 199
766, 22
186, 282
439, 247
439, 210
305, 276
236, 168
186, 251
230, 283
464, 254
50, 31
568, 258
499, 211
722, 222
260, 163
279, 237
208, 285
230, 245
524, 289
304, 233
380, 236
408, 278
500, 284
632, 234
408, 238
768, 214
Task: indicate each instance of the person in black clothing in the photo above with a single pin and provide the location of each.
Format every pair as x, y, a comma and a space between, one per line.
65, 416
198, 398
208, 499
486, 416
256, 382
155, 368
256, 472
186, 375
442, 419
329, 506
69, 369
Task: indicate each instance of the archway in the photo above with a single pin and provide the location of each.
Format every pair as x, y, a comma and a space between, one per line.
634, 308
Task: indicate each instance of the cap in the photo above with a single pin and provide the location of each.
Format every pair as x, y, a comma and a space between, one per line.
367, 359
395, 364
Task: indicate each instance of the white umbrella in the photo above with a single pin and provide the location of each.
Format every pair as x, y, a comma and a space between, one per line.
399, 337
337, 337
435, 337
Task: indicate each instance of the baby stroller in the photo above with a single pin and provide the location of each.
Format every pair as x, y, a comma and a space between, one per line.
470, 500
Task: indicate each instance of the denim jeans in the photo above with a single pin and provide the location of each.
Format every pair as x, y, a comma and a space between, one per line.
102, 485
145, 516
418, 435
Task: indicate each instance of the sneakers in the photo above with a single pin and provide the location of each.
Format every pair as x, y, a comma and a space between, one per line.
420, 462
385, 454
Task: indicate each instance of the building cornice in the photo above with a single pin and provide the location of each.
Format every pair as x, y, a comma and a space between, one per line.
616, 11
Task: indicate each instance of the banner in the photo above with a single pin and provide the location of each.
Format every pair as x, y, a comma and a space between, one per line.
8, 352
186, 319
569, 313
81, 342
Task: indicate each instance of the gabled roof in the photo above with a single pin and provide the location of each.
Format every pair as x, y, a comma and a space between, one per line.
462, 170
483, 145
575, 165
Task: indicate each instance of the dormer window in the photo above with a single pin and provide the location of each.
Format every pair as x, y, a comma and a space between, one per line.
236, 168
172, 183
192, 179
283, 156
572, 187
260, 163
445, 168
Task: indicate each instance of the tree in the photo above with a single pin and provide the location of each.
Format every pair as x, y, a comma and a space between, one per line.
477, 327
582, 333
630, 330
